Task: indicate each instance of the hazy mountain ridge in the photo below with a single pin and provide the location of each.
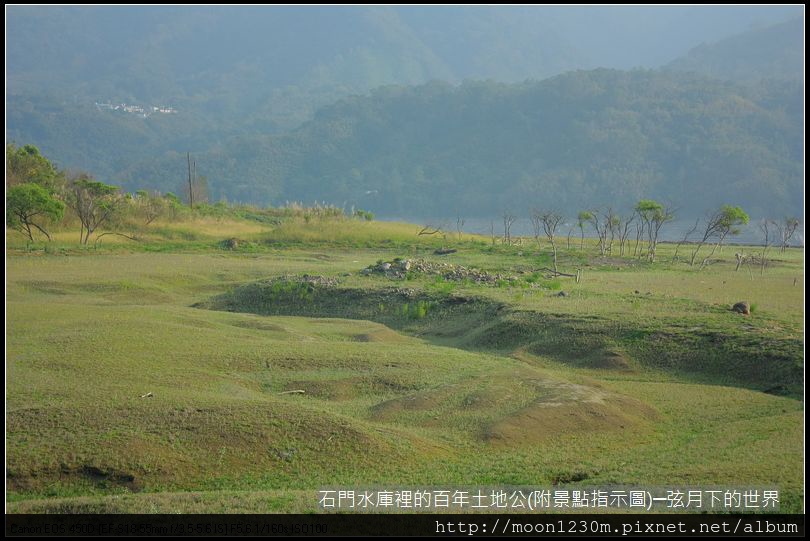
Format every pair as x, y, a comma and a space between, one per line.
576, 140
238, 60
239, 75
773, 52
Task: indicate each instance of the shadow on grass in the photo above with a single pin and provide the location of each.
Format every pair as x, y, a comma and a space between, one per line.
752, 360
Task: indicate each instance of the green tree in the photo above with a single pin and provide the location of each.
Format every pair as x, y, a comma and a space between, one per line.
94, 202
583, 218
175, 205
654, 215
731, 220
27, 204
719, 224
25, 164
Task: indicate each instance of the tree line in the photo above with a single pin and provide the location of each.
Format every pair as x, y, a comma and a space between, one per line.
646, 220
38, 195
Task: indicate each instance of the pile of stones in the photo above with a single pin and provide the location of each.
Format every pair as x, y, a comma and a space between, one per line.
399, 268
314, 280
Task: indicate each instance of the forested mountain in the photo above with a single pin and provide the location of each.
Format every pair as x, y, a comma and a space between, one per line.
87, 85
575, 140
268, 68
773, 52
196, 53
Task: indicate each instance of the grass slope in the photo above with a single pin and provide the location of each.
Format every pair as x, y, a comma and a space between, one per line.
518, 387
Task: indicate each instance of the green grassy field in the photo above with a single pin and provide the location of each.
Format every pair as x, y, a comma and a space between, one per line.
641, 375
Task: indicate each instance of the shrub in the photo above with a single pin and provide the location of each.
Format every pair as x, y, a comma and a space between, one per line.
364, 215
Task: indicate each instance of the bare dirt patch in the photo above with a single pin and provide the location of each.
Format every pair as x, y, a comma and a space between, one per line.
582, 410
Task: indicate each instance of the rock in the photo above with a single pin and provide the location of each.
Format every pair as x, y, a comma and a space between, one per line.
562, 294
385, 266
286, 454
406, 264
366, 272
232, 244
742, 307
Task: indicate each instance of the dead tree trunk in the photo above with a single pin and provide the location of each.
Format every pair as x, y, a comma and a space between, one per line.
508, 220
190, 185
685, 238
639, 234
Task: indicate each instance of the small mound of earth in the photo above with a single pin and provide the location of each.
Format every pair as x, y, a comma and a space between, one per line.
422, 401
544, 421
610, 360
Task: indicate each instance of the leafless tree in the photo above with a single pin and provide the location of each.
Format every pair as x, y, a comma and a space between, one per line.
639, 235
712, 224
152, 205
625, 231
459, 226
768, 228
430, 229
537, 225
685, 238
508, 221
613, 222
785, 231
190, 182
550, 221
600, 223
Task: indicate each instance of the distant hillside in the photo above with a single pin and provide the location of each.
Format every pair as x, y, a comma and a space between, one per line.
247, 81
774, 52
270, 67
580, 139
77, 135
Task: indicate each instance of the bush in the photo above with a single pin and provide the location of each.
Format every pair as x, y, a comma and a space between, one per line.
364, 215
